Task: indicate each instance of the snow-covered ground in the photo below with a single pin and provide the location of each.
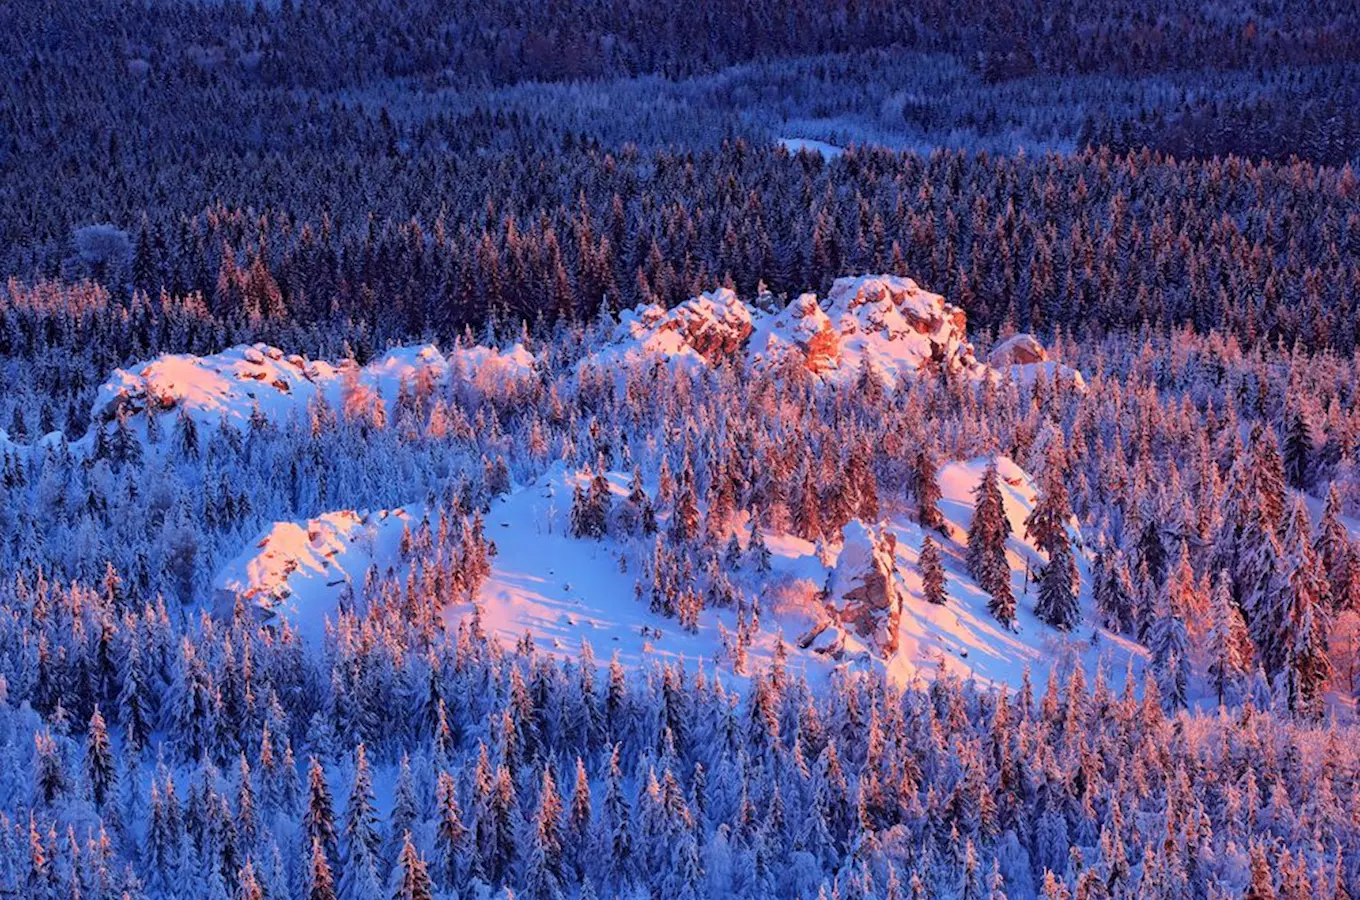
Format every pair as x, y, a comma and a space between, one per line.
808, 145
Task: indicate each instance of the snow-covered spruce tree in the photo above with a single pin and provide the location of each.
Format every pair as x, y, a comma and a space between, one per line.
1046, 524
932, 572
757, 549
1170, 645
1059, 584
1336, 553
1264, 579
1298, 451
410, 878
318, 822
1227, 645
807, 516
926, 488
685, 516
987, 536
1268, 484
1114, 593
101, 772
320, 883
359, 831
1303, 620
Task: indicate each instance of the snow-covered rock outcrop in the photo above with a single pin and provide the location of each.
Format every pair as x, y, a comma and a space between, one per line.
864, 591
233, 384
883, 323
703, 330
300, 571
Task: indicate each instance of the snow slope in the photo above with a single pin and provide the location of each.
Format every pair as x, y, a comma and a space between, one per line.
563, 590
559, 589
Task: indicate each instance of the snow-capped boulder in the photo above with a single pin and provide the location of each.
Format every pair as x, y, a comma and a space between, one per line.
864, 591
1017, 350
1024, 359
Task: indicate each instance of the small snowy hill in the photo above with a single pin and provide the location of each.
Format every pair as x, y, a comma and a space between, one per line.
884, 323
230, 386
563, 590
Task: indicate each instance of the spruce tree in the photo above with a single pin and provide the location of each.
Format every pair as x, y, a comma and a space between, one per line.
1058, 586
318, 822
932, 573
807, 516
1114, 594
987, 535
925, 479
1170, 646
757, 550
1336, 553
360, 823
100, 768
410, 880
1046, 524
685, 516
1302, 645
320, 883
451, 835
1266, 475
1226, 642
1298, 452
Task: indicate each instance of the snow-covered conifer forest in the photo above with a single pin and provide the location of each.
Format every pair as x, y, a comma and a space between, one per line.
471, 449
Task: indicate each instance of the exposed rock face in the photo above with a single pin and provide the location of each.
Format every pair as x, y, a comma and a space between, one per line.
1017, 350
864, 591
